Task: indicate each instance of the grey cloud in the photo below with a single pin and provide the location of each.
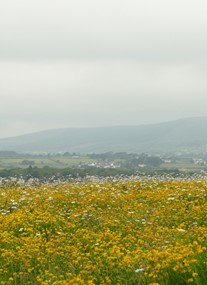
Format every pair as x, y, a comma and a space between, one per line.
149, 30
97, 63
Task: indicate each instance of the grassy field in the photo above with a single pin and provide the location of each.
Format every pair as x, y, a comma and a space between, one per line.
132, 232
61, 162
41, 161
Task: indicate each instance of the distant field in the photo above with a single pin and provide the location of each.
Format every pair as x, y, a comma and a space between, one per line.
182, 165
119, 232
41, 161
55, 161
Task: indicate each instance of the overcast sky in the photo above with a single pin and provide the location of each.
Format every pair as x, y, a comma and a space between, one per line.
88, 63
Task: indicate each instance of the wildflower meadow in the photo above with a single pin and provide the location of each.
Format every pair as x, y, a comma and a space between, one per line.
120, 231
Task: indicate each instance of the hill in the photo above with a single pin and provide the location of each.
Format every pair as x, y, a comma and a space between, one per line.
181, 135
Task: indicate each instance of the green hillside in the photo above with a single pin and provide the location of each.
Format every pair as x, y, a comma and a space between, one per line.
181, 135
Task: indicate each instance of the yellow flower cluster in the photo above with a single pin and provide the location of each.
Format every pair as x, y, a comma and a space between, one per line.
104, 232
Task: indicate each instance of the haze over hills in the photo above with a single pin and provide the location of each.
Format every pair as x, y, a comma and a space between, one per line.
182, 135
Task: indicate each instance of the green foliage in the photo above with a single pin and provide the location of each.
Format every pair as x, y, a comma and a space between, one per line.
48, 172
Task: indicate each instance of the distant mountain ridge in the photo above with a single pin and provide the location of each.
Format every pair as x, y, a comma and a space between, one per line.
187, 134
